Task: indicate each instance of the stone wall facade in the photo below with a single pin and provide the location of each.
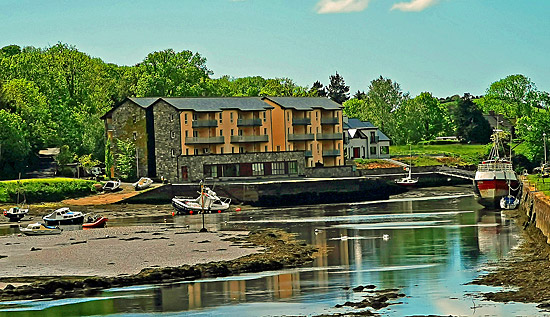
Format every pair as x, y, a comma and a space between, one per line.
195, 164
167, 126
129, 123
331, 171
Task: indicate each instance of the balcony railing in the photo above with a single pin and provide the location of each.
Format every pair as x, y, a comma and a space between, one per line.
301, 121
249, 138
301, 137
330, 120
204, 123
331, 153
249, 122
210, 140
330, 136
308, 154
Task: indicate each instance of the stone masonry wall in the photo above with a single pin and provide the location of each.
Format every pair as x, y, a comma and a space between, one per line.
167, 140
536, 205
195, 163
128, 119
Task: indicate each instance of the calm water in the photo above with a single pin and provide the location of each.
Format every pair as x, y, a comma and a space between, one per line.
428, 243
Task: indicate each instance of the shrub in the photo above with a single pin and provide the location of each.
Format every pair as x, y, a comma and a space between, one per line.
45, 190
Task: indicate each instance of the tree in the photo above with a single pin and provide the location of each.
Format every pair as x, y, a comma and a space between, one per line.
470, 123
126, 159
337, 89
355, 108
10, 50
429, 116
14, 143
318, 89
361, 95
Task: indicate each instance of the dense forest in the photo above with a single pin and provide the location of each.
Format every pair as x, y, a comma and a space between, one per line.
55, 96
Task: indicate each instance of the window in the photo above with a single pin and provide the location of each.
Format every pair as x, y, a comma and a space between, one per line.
240, 115
265, 131
221, 150
316, 115
288, 116
257, 169
265, 148
195, 134
241, 149
264, 115
195, 117
134, 135
373, 150
186, 118
232, 149
220, 117
240, 132
172, 134
171, 117
293, 167
231, 132
221, 132
385, 150
231, 116
173, 152
214, 171
186, 151
372, 138
205, 150
278, 148
278, 168
186, 133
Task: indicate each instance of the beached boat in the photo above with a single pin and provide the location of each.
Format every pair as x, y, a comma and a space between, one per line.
142, 183
64, 216
509, 202
495, 177
39, 229
111, 186
207, 202
407, 180
16, 213
95, 222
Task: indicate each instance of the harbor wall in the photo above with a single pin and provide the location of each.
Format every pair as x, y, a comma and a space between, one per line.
536, 206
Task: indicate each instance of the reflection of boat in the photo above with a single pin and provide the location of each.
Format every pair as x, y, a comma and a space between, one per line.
111, 185
207, 201
39, 229
407, 180
95, 222
64, 216
142, 183
495, 177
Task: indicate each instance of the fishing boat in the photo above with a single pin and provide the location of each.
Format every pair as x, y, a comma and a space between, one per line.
95, 222
495, 177
39, 229
64, 216
111, 186
407, 180
207, 202
143, 183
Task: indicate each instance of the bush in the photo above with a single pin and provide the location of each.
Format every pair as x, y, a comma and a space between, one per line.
45, 190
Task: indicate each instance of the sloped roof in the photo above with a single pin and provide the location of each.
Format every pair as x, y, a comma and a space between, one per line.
382, 136
354, 123
305, 103
144, 102
218, 104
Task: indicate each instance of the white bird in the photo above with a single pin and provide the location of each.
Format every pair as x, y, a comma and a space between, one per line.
386, 237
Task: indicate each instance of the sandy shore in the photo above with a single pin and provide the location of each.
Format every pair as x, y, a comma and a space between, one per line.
114, 251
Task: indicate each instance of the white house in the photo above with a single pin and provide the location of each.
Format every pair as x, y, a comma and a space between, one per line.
364, 140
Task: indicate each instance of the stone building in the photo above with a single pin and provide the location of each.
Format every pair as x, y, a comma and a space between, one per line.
187, 139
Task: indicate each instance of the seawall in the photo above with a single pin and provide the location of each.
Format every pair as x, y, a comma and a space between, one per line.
536, 205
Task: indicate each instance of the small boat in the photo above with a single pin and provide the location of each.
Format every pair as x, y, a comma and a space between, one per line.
95, 222
407, 180
142, 183
207, 202
64, 216
16, 213
39, 229
111, 185
509, 202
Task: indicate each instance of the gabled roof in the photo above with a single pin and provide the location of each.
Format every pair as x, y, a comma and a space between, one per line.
305, 103
144, 102
354, 123
382, 136
218, 104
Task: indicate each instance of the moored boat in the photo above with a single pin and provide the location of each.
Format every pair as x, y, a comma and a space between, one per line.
95, 222
111, 185
207, 202
495, 178
143, 183
408, 180
64, 216
39, 229
16, 213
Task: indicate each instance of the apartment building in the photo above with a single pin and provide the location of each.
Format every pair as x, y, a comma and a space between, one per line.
194, 138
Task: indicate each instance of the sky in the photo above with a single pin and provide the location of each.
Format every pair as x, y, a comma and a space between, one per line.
445, 47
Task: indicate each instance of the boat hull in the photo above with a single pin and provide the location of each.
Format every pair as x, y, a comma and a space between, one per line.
489, 192
100, 223
69, 221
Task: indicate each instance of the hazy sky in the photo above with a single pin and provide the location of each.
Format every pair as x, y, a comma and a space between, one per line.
443, 46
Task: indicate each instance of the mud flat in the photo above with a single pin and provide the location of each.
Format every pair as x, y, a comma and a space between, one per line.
82, 263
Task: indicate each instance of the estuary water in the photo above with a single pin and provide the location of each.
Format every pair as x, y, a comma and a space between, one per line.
428, 243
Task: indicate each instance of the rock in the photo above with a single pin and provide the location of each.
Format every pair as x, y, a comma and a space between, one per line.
358, 288
9, 287
35, 249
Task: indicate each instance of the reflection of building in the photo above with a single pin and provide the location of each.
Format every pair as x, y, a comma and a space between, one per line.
364, 140
193, 138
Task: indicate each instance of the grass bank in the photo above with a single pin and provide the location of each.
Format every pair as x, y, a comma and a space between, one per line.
45, 189
442, 154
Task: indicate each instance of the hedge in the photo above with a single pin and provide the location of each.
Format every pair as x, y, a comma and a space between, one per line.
45, 189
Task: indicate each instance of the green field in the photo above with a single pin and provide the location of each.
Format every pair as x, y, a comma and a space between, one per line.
438, 154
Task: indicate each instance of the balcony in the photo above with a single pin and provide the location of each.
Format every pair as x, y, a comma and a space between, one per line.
249, 122
205, 123
249, 138
330, 120
301, 137
210, 140
308, 153
330, 136
331, 153
301, 121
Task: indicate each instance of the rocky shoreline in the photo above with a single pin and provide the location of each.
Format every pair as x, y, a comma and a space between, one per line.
281, 250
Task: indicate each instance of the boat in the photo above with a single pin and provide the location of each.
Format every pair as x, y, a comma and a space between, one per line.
64, 216
111, 185
207, 202
95, 222
40, 229
509, 202
143, 183
16, 213
495, 177
407, 180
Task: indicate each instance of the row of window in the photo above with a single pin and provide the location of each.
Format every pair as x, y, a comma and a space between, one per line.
196, 117
251, 169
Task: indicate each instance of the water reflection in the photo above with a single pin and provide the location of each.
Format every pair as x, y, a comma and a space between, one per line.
429, 248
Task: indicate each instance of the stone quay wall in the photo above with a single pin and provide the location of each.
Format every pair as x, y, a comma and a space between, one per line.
536, 205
